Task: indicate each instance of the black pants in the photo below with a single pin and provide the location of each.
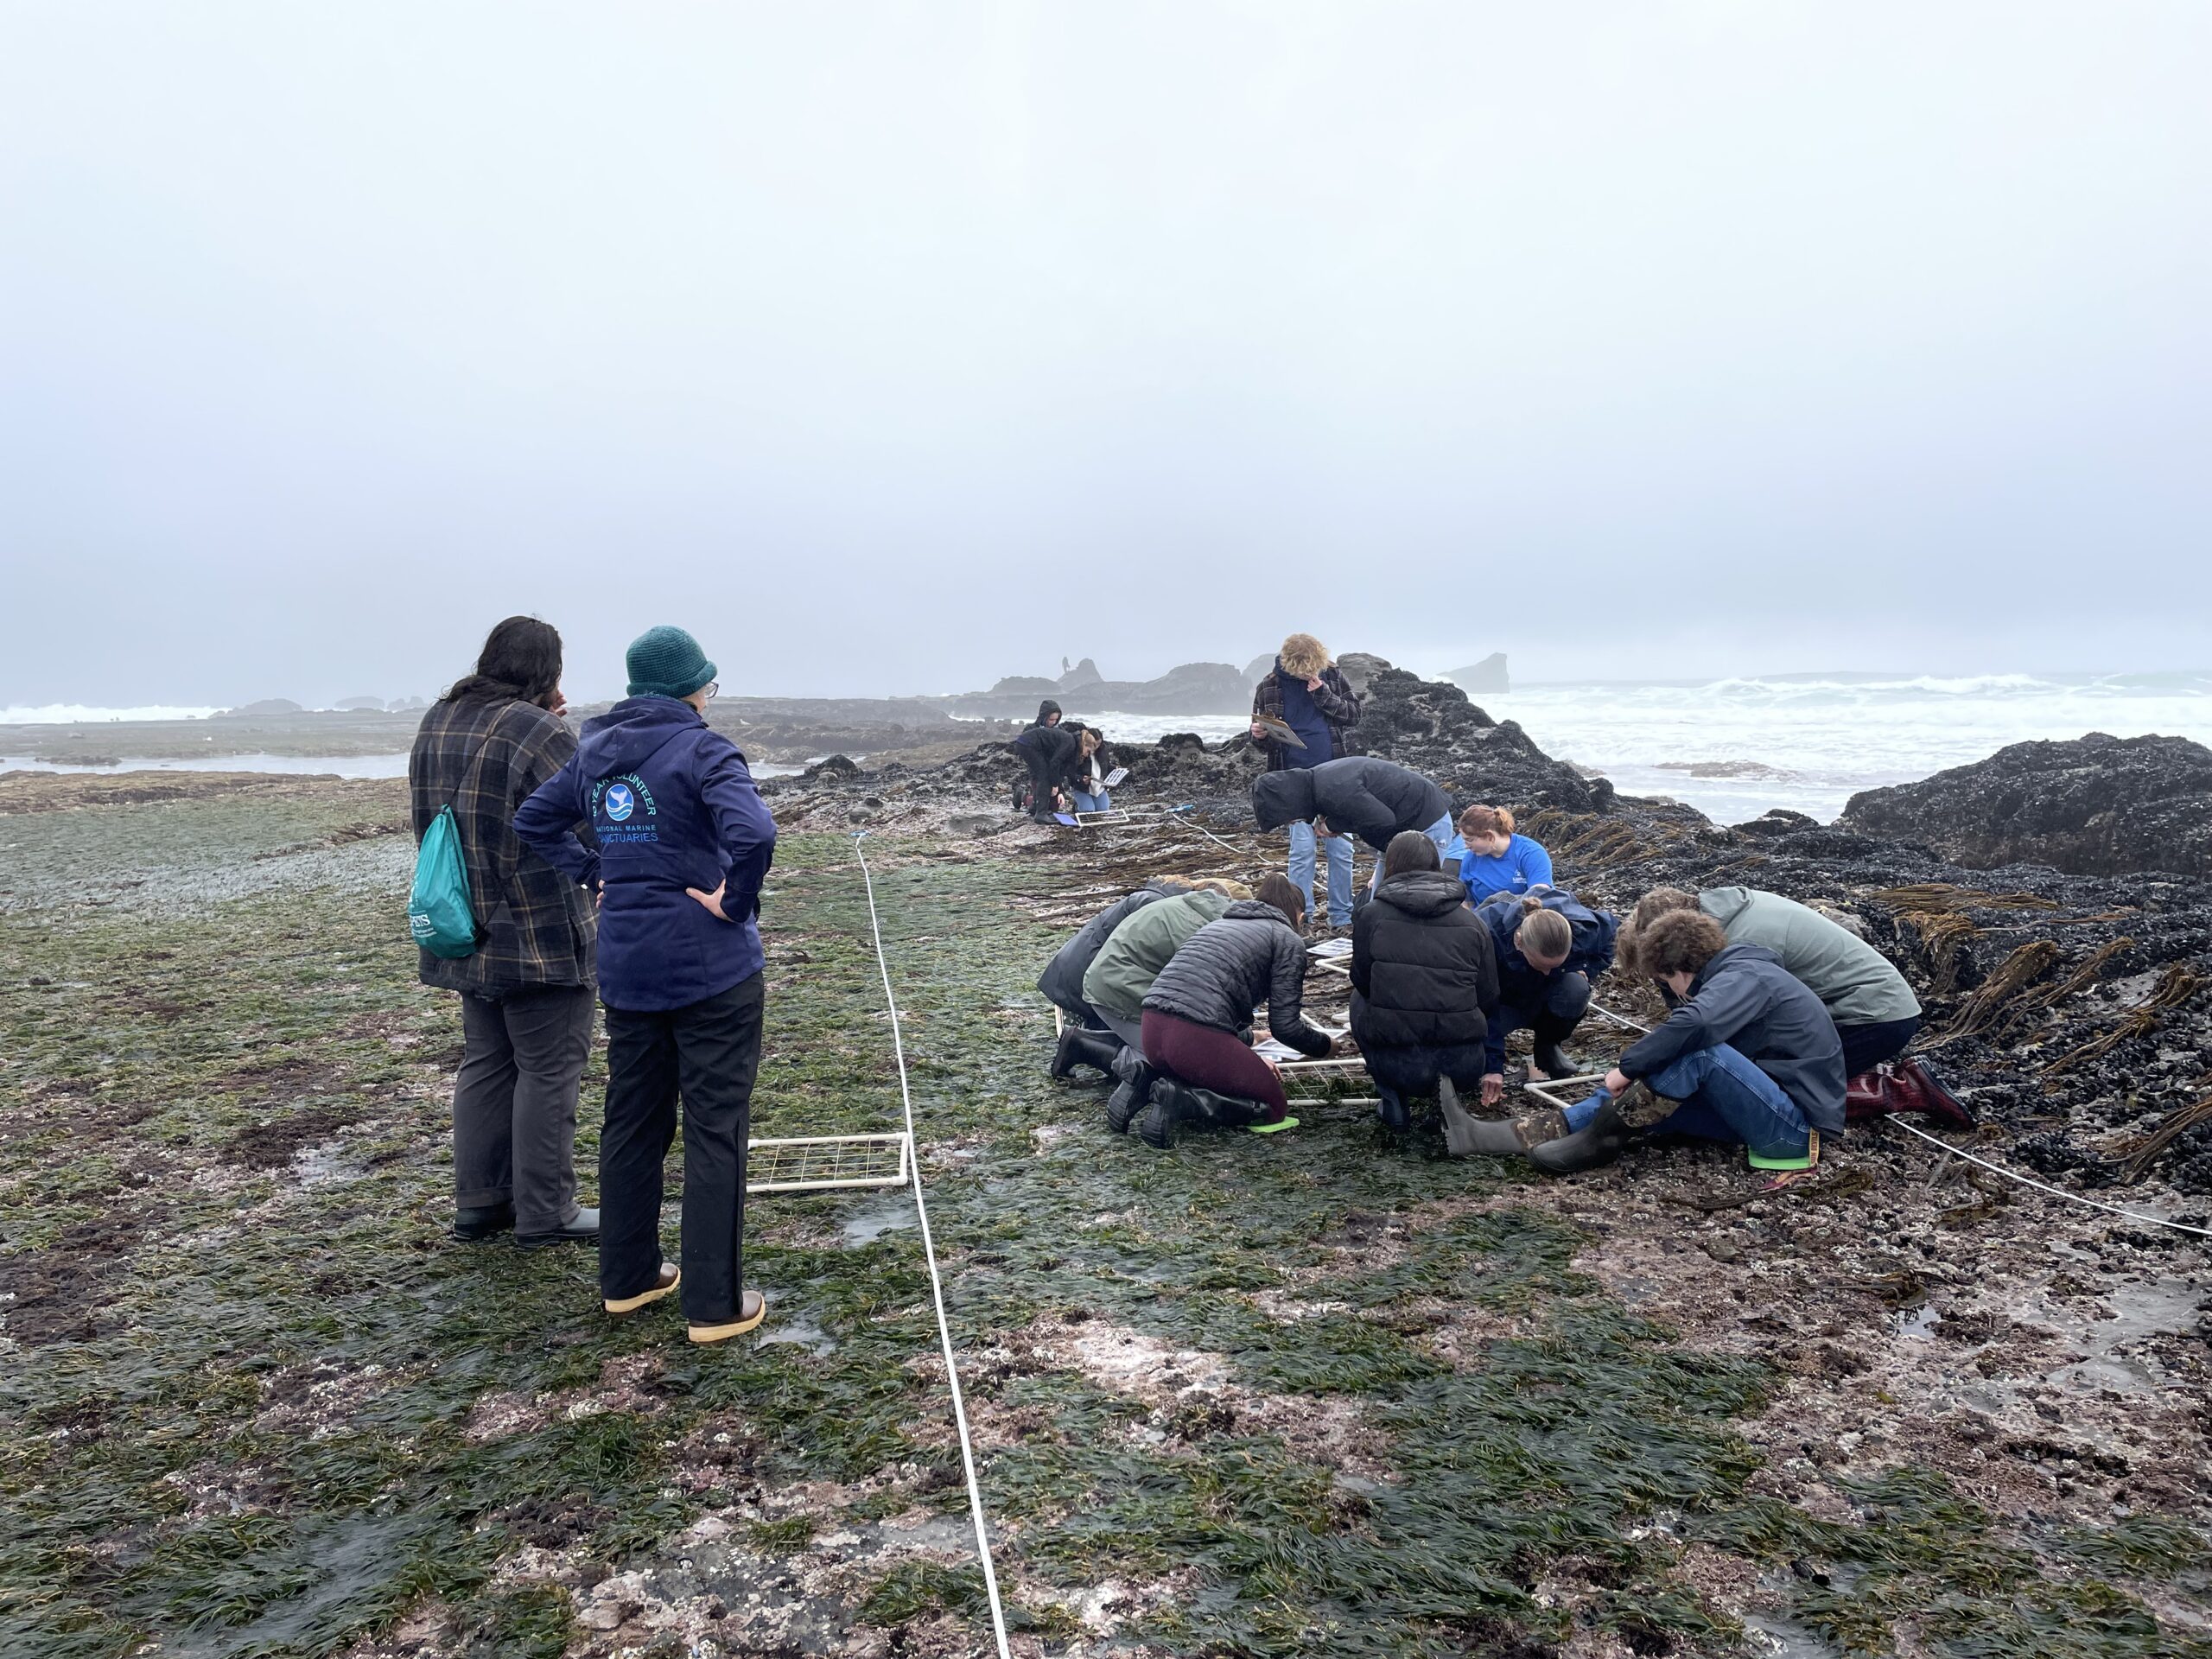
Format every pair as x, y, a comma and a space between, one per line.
708, 1053
1865, 1047
1553, 1018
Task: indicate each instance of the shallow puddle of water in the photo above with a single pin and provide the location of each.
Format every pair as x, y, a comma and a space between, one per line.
1919, 1321
799, 1331
872, 1220
2140, 1309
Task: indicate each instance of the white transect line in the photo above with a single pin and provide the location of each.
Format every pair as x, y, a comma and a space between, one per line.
1191, 822
928, 1251
2041, 1186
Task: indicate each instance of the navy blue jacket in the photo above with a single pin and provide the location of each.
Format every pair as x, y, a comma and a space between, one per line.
1745, 997
673, 806
1519, 985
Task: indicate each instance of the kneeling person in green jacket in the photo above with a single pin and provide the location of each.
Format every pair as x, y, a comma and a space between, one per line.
1122, 973
1874, 1010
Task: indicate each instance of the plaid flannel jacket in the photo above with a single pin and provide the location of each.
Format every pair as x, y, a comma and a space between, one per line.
535, 927
1339, 707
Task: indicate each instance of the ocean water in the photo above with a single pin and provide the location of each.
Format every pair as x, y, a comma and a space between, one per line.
1736, 748
78, 714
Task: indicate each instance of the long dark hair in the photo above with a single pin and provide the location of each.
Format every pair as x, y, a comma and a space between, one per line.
521, 658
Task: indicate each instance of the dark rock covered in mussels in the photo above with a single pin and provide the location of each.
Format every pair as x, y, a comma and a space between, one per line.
2098, 805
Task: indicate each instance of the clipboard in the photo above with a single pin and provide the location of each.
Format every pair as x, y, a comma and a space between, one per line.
1113, 779
1279, 730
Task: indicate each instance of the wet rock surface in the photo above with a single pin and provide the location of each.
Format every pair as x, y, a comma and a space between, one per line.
2098, 805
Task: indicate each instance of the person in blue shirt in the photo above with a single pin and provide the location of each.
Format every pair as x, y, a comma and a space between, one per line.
1306, 692
1497, 860
680, 844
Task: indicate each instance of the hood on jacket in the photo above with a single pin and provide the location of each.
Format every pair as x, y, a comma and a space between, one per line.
1281, 798
1253, 910
1725, 905
1046, 710
1422, 892
618, 740
1728, 954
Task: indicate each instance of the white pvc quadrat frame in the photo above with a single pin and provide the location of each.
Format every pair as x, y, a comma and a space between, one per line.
828, 1163
1579, 1089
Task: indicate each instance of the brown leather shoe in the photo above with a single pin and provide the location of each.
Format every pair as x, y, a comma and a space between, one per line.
753, 1307
669, 1276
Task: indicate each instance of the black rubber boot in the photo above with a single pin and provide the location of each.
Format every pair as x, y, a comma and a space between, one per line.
1079, 1047
1551, 1060
1131, 1090
1593, 1147
1390, 1106
1162, 1116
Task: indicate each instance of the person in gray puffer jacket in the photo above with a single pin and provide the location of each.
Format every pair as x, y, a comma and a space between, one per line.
1197, 1013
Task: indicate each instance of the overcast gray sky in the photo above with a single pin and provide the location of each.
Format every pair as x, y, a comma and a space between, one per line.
897, 348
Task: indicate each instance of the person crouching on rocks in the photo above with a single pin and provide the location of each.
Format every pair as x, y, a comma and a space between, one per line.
685, 843
1498, 858
1086, 781
1423, 973
1086, 1038
1051, 750
1875, 1012
1750, 1056
1549, 946
1122, 973
1198, 1011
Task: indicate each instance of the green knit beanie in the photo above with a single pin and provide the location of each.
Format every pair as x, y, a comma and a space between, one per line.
666, 662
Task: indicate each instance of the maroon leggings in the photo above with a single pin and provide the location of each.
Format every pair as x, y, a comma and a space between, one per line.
1208, 1059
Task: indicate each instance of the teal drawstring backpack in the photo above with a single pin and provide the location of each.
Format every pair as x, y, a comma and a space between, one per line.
440, 916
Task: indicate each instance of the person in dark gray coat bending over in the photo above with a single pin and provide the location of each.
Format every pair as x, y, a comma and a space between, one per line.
1359, 795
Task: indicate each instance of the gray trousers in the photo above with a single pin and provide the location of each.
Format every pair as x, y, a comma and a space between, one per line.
514, 1102
1130, 1031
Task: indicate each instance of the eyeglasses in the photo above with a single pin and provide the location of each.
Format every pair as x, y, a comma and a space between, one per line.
713, 689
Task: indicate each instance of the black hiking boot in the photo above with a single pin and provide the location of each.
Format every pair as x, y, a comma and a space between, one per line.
1079, 1047
1132, 1091
475, 1225
1162, 1116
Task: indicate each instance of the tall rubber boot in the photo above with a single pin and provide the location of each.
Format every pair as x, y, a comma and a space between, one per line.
1132, 1092
1595, 1145
1552, 1060
1175, 1104
1078, 1047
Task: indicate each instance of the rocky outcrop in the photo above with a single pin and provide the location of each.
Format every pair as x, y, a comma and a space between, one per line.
1489, 675
2099, 805
1193, 688
1430, 725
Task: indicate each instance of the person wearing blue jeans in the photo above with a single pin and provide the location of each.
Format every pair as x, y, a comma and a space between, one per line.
1304, 845
1750, 1056
1305, 694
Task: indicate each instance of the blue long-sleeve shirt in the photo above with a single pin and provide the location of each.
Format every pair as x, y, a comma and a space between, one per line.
673, 806
1523, 864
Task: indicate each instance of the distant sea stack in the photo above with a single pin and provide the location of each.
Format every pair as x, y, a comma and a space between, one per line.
267, 709
1487, 676
2098, 805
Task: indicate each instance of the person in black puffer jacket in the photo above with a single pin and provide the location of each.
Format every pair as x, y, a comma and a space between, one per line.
1424, 978
1197, 1013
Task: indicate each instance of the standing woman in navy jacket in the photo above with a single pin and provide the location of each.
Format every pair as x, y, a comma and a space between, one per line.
684, 844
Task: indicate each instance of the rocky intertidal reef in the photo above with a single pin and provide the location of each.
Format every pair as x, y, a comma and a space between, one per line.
2098, 805
2073, 1011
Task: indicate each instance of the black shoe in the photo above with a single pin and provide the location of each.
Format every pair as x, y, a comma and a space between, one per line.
1593, 1145
1551, 1060
1079, 1047
1157, 1125
1390, 1106
583, 1228
486, 1221
1131, 1093
1204, 1108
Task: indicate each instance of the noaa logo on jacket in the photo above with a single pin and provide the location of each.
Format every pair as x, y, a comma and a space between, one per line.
622, 809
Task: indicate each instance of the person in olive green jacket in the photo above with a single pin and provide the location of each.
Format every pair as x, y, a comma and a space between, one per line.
1119, 975
1122, 973
1874, 1010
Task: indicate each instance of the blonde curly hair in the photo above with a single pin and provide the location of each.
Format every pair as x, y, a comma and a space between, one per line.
1303, 655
